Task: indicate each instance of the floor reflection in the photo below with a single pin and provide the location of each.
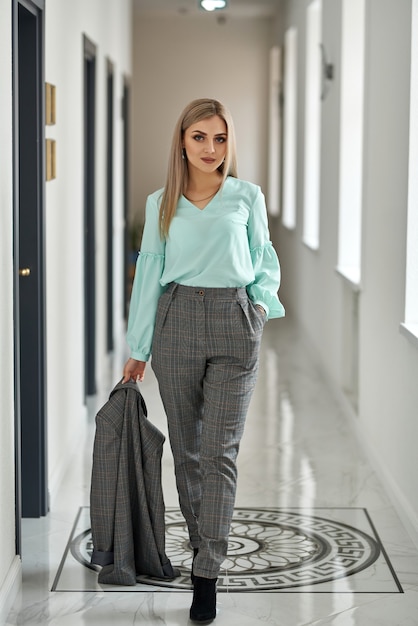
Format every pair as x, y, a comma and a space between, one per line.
315, 539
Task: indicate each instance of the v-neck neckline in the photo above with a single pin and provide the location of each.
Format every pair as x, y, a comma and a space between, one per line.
198, 208
206, 205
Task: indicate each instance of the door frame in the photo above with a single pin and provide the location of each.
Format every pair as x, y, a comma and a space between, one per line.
89, 95
37, 9
126, 153
110, 92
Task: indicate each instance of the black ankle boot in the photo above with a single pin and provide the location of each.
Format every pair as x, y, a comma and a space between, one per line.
203, 607
195, 553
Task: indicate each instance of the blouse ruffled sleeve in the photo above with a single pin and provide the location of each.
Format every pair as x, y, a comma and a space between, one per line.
146, 289
263, 290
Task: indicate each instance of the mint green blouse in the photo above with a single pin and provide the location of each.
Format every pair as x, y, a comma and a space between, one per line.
226, 244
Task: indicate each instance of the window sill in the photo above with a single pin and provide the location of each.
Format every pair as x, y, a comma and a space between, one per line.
290, 227
351, 276
410, 331
313, 247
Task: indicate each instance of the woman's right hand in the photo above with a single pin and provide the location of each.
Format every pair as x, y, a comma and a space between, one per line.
134, 370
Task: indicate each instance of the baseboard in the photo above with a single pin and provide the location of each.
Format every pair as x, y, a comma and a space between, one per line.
60, 470
395, 494
86, 414
10, 589
106, 378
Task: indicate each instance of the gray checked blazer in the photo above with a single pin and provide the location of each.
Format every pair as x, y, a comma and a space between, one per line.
126, 499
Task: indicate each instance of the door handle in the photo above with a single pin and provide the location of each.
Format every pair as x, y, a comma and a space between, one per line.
24, 271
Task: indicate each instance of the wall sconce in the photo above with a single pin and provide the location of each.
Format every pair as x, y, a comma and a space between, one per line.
327, 72
212, 5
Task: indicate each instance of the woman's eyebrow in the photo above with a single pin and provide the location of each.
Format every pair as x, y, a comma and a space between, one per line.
201, 132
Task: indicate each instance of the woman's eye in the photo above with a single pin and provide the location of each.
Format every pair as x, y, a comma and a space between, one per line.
220, 139
198, 137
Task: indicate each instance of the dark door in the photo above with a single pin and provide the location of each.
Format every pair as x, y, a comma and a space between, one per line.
89, 218
126, 171
29, 260
109, 207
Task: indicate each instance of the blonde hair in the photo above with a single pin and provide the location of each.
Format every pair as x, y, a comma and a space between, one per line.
177, 171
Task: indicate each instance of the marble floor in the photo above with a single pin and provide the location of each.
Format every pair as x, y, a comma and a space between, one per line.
315, 538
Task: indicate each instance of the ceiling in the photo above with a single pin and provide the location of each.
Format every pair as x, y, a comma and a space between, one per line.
178, 8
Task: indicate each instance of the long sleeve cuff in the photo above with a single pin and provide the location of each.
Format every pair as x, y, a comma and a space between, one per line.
264, 289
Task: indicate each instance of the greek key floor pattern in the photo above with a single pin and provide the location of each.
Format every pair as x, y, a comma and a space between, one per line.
293, 550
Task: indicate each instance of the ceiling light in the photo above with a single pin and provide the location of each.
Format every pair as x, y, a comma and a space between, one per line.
212, 5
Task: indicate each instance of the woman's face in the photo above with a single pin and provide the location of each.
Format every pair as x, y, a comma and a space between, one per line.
205, 144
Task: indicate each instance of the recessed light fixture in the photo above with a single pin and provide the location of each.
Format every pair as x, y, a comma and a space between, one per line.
212, 5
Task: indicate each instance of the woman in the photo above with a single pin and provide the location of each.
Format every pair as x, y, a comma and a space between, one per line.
206, 281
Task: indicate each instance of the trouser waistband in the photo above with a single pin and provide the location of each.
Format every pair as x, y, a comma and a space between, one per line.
212, 293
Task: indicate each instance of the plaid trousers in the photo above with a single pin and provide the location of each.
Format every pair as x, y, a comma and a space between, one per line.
205, 356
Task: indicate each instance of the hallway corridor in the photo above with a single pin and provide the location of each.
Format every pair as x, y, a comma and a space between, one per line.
315, 539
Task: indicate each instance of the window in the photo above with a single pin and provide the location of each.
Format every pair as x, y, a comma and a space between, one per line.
351, 144
274, 182
312, 125
411, 296
290, 128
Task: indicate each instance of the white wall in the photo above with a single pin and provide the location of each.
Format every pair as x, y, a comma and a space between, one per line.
9, 566
310, 287
108, 25
388, 360
378, 376
179, 59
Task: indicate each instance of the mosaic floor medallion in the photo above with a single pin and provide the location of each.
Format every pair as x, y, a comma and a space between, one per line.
272, 549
